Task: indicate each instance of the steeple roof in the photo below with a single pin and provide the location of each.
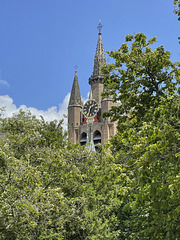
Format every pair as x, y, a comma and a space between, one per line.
75, 98
99, 61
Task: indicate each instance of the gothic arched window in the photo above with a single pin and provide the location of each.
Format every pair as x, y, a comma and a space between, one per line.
83, 138
97, 137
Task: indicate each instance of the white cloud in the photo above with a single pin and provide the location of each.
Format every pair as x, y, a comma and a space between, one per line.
50, 114
4, 82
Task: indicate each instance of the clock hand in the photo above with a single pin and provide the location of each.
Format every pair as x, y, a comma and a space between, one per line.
92, 109
89, 111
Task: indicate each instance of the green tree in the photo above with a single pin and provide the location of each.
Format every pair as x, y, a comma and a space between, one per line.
51, 189
144, 83
139, 77
29, 205
149, 156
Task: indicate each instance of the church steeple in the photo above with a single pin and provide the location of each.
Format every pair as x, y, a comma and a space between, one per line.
96, 129
96, 79
99, 60
75, 98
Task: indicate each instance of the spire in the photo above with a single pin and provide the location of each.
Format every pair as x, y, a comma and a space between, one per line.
99, 59
75, 98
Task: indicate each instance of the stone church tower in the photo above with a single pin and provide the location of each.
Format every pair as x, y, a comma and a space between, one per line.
96, 129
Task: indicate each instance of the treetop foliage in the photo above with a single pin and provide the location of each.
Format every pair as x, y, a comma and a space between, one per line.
51, 189
145, 82
177, 9
140, 76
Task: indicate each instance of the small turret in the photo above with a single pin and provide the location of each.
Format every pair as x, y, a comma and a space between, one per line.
74, 111
75, 98
106, 104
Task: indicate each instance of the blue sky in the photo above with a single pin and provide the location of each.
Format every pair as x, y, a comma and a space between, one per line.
42, 40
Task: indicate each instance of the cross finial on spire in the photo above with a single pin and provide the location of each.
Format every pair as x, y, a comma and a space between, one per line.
99, 26
76, 67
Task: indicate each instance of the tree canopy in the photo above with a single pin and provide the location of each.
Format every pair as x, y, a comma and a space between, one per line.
51, 189
145, 84
139, 77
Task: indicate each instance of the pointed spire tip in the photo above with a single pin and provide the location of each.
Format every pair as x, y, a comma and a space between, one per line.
99, 26
75, 67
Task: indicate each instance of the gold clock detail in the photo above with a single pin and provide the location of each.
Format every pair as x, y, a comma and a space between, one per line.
90, 108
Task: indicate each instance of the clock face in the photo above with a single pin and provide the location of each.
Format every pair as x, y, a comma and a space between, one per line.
90, 108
